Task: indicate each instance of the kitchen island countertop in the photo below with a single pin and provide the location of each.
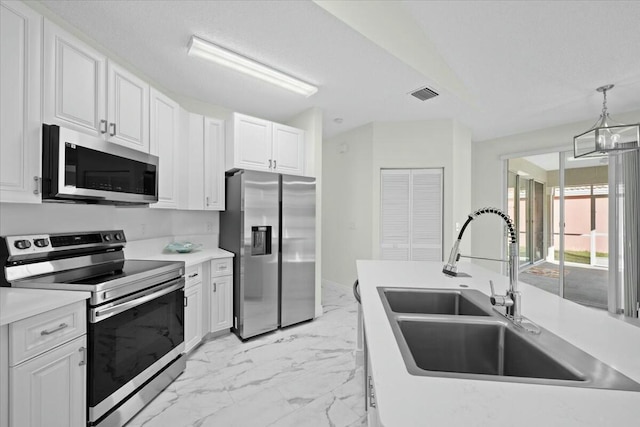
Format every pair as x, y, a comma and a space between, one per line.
406, 400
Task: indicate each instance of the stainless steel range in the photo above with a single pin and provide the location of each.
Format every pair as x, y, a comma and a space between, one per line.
135, 313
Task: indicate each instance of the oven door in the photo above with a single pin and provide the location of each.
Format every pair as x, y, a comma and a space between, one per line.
130, 341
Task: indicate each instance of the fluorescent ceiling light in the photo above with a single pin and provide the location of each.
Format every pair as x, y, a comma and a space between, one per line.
219, 55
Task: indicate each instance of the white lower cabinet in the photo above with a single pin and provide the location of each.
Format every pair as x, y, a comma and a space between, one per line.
193, 307
49, 390
221, 295
192, 316
221, 303
47, 361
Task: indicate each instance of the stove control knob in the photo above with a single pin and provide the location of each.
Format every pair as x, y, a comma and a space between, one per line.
119, 236
22, 244
107, 237
41, 243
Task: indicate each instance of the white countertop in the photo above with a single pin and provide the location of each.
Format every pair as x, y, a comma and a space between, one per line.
196, 257
406, 400
17, 304
153, 249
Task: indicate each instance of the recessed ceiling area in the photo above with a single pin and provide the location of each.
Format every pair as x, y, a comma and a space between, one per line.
500, 67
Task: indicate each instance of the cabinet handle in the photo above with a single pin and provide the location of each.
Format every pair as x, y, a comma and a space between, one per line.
186, 301
214, 287
113, 129
191, 276
372, 395
274, 164
38, 188
60, 327
207, 200
83, 350
103, 126
269, 163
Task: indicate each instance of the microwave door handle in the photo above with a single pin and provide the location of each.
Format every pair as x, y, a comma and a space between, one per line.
98, 315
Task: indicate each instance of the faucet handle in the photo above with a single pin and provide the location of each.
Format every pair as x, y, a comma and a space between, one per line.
499, 300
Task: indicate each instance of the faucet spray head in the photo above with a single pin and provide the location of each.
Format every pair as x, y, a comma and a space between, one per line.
451, 268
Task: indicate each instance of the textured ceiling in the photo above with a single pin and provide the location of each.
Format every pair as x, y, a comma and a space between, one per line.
500, 67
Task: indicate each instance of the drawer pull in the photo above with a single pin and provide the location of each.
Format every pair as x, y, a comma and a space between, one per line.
191, 276
222, 267
60, 327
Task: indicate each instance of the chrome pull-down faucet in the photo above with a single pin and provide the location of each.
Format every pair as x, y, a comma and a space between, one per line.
511, 301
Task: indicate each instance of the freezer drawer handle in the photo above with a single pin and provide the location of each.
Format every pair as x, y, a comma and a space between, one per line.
60, 327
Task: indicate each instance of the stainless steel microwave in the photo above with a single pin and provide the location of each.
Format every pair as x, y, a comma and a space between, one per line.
81, 168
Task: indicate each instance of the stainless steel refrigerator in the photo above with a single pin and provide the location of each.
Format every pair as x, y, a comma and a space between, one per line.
269, 224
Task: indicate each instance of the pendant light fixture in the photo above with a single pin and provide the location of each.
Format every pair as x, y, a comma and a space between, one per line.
606, 136
214, 53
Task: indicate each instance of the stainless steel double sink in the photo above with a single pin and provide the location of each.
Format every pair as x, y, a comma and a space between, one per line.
457, 334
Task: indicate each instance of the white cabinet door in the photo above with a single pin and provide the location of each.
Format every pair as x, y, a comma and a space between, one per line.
20, 91
213, 164
164, 134
249, 146
128, 104
74, 82
195, 162
49, 390
288, 149
192, 316
221, 303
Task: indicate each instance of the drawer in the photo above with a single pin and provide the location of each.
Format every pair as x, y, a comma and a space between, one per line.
193, 275
36, 334
222, 267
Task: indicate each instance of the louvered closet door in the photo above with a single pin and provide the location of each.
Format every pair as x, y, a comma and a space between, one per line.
411, 214
395, 209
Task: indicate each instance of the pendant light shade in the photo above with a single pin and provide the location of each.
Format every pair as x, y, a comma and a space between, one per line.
606, 136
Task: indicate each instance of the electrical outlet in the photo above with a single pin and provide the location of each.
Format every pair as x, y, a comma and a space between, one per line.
209, 226
143, 229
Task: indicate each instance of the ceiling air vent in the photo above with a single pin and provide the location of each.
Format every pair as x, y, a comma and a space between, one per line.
424, 94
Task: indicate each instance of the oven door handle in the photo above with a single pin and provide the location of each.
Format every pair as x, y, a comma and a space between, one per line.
100, 314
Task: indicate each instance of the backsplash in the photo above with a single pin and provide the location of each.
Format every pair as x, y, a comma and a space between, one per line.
138, 223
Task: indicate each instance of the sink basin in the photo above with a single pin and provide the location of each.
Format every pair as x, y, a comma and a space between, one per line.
427, 301
489, 348
456, 334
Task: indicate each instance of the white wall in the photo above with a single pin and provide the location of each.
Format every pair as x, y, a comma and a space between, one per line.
489, 175
352, 163
346, 203
138, 223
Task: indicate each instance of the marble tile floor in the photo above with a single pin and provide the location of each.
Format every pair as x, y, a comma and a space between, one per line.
304, 375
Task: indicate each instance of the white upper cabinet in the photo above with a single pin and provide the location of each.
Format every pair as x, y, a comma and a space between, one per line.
249, 143
205, 163
128, 108
214, 164
74, 82
288, 149
261, 145
195, 162
20, 91
164, 134
85, 91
